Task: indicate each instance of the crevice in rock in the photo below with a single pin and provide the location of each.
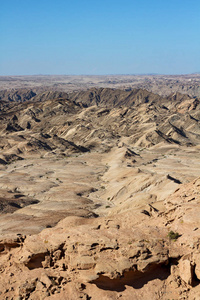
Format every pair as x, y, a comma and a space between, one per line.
135, 279
36, 261
178, 130
7, 246
195, 280
173, 179
166, 138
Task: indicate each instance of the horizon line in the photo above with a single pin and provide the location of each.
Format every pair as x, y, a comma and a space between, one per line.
128, 74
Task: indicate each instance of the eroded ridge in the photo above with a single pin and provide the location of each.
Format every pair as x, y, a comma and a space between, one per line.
100, 195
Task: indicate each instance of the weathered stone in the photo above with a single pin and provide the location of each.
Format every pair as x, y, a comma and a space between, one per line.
186, 271
46, 280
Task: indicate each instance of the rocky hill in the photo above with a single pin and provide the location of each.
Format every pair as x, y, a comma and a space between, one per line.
20, 95
100, 196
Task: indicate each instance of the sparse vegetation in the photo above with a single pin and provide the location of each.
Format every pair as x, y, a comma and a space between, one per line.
173, 235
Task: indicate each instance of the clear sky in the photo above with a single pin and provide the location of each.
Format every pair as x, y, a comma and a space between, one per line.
99, 37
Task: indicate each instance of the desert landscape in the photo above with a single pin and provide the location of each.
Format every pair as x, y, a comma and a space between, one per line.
163, 85
100, 187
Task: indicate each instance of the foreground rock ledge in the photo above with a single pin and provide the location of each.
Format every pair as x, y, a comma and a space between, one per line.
109, 258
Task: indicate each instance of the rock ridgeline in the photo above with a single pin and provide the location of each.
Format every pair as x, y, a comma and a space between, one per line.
94, 96
81, 121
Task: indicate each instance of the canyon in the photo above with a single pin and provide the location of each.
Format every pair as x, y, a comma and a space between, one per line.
100, 189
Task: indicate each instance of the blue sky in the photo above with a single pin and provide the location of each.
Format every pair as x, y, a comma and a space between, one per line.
99, 37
